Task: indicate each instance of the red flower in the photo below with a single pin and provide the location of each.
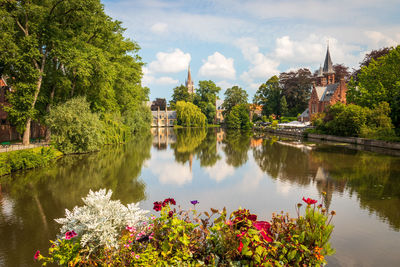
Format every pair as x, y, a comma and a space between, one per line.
169, 200
70, 234
309, 201
263, 227
252, 217
157, 206
240, 246
37, 254
170, 214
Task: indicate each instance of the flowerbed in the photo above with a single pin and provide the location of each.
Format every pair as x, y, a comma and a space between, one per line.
106, 233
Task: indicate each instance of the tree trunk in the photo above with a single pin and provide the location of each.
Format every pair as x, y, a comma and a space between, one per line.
27, 132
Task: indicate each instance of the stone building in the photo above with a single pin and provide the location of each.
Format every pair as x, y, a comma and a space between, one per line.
325, 91
219, 117
189, 83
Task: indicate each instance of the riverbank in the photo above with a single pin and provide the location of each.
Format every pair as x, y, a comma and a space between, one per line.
27, 159
342, 139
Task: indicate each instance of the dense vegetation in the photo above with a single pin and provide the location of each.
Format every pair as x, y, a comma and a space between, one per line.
354, 120
126, 236
53, 51
189, 115
26, 159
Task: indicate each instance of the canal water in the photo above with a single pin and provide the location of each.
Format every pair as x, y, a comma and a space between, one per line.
264, 174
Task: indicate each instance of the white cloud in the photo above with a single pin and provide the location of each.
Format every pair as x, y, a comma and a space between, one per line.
159, 28
165, 80
173, 62
262, 66
218, 66
378, 39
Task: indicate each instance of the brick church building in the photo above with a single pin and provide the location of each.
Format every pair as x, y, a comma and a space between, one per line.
325, 91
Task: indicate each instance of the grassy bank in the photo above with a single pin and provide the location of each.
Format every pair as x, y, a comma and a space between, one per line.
27, 159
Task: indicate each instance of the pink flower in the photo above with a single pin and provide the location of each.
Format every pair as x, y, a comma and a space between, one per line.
126, 245
229, 222
37, 254
70, 234
137, 256
153, 217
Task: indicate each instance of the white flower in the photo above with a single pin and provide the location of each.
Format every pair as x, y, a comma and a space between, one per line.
100, 221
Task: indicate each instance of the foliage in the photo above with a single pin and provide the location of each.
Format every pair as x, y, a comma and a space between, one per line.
238, 118
56, 50
26, 159
369, 57
353, 120
295, 86
189, 115
379, 82
100, 220
234, 96
283, 106
75, 129
191, 238
180, 94
269, 95
206, 97
341, 71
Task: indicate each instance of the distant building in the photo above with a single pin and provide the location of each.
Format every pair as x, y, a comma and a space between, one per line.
255, 110
189, 83
163, 118
325, 92
219, 117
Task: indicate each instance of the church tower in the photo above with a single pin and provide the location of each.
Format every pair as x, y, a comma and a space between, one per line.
189, 83
327, 75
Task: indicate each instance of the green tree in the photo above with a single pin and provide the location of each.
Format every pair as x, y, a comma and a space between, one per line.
180, 94
268, 96
205, 98
75, 129
189, 115
238, 118
234, 96
296, 87
55, 50
379, 82
283, 106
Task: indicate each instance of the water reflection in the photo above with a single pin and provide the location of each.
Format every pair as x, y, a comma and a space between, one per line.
30, 200
232, 169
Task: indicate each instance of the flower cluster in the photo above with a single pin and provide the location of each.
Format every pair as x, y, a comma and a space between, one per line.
158, 205
189, 237
70, 234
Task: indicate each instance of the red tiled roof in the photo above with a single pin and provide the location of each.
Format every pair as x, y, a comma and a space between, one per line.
2, 83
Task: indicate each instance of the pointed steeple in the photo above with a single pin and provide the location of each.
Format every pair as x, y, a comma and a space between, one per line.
328, 66
320, 71
189, 82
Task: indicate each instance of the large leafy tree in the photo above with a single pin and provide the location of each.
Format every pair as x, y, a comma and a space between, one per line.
54, 50
205, 98
181, 94
296, 87
189, 115
234, 96
379, 82
268, 96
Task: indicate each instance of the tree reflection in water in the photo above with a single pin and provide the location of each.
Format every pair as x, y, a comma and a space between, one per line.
45, 193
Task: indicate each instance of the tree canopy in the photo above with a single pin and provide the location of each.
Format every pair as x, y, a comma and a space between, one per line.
54, 50
379, 82
189, 114
234, 96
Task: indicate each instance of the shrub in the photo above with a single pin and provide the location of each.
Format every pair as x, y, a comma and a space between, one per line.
100, 220
26, 159
238, 118
74, 128
191, 238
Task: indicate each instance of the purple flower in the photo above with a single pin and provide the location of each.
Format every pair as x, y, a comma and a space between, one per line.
194, 202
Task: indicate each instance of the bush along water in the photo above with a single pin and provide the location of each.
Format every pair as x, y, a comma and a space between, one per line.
106, 233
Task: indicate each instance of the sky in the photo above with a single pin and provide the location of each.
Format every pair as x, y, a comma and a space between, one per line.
245, 42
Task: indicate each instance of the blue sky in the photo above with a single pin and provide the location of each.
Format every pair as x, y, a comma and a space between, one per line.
245, 42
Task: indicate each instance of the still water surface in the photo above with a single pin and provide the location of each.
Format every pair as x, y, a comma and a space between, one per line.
265, 174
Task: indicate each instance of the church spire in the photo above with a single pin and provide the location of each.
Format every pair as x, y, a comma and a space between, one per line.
328, 66
189, 82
